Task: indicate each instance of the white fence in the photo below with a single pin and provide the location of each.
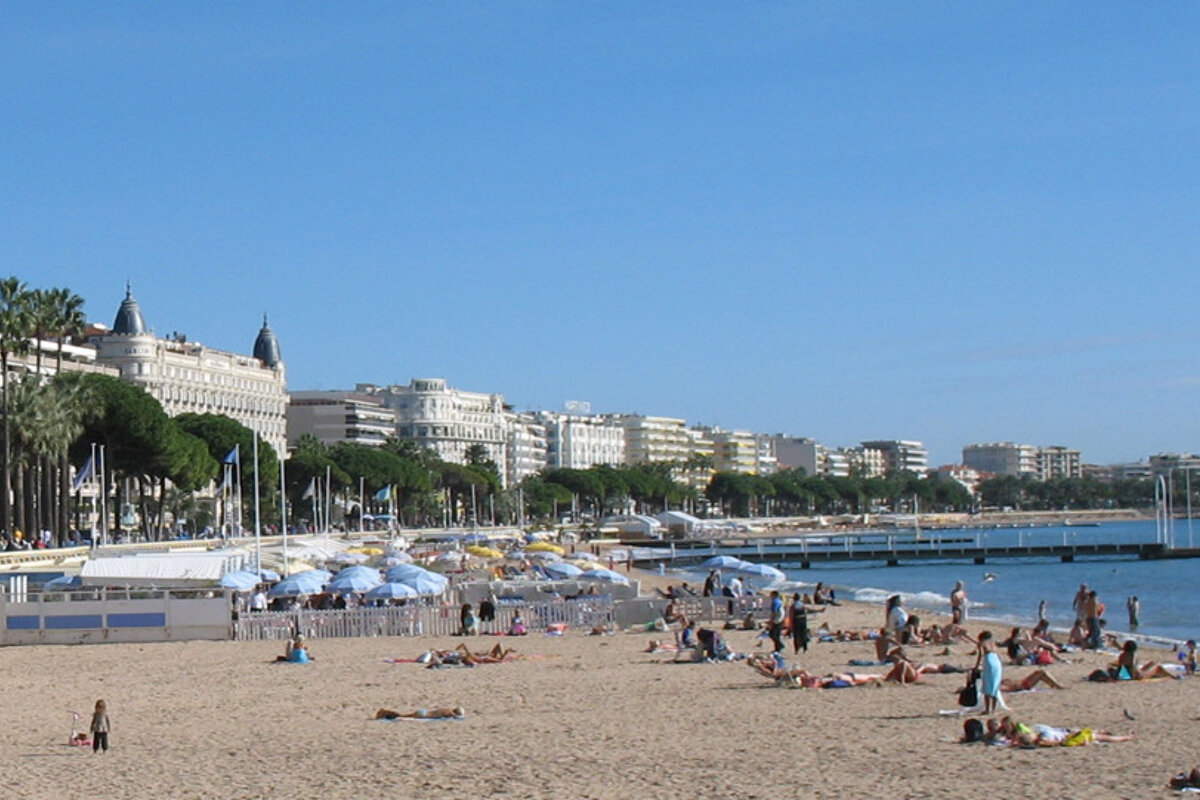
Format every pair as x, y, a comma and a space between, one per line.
582, 613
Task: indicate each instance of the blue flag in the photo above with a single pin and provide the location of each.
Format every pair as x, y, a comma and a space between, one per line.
84, 475
384, 494
233, 457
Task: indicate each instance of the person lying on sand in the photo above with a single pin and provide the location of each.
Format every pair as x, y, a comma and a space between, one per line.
905, 671
422, 713
463, 655
775, 669
1029, 681
1037, 735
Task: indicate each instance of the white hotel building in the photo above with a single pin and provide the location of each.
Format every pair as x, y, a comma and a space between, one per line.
185, 376
579, 441
447, 421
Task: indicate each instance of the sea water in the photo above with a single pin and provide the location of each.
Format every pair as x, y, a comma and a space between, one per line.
1008, 590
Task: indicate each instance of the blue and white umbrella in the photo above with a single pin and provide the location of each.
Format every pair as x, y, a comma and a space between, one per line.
309, 582
724, 562
562, 570
426, 584
605, 575
359, 569
391, 591
268, 575
402, 571
242, 580
396, 558
354, 582
761, 571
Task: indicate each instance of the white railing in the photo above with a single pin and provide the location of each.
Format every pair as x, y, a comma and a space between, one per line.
582, 613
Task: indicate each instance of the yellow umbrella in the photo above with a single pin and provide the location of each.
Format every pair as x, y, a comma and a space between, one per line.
544, 547
484, 552
584, 563
366, 551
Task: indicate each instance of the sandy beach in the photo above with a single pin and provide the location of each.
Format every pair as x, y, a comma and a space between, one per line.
581, 716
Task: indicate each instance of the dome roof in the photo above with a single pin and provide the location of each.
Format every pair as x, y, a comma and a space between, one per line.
266, 346
129, 316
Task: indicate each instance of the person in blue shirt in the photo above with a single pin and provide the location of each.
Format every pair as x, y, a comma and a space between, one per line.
775, 626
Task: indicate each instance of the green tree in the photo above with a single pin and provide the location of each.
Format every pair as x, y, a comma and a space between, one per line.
15, 330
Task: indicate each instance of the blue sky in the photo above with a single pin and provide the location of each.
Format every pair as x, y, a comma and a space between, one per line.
845, 221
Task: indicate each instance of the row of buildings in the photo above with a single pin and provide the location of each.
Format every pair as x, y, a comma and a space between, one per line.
186, 376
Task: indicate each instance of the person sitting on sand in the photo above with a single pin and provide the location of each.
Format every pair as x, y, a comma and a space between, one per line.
1037, 735
1077, 636
687, 637
295, 651
422, 713
1188, 656
1186, 780
673, 613
1126, 668
517, 628
947, 634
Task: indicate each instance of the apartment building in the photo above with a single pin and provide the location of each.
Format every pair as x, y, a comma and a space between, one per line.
340, 416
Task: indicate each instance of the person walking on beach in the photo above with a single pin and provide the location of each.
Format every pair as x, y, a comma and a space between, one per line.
99, 727
799, 625
958, 604
1042, 611
1135, 612
896, 617
775, 626
1092, 612
991, 671
1080, 603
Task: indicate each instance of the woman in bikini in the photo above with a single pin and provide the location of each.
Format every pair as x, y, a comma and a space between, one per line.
422, 713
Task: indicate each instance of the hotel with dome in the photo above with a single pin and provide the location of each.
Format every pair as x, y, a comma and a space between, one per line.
185, 376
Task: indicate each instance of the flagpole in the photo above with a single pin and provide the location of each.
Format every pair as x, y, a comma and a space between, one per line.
257, 521
237, 466
103, 497
391, 508
283, 512
328, 499
314, 486
362, 500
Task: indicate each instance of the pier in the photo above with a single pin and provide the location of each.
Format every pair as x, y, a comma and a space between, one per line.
978, 546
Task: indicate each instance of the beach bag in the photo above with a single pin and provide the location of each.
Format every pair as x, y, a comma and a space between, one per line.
968, 696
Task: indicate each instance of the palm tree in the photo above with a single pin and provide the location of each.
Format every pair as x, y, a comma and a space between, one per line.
43, 320
14, 340
69, 320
